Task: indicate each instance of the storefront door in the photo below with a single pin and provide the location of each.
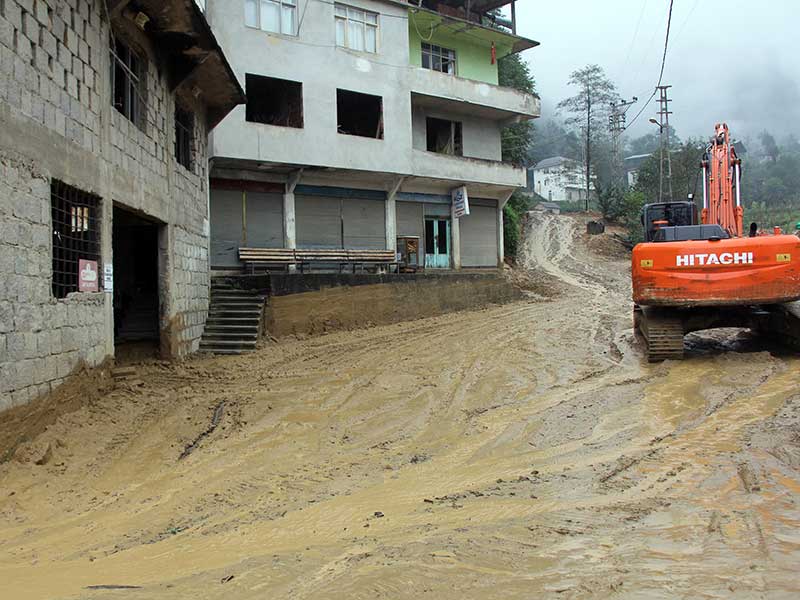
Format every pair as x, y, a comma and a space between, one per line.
437, 243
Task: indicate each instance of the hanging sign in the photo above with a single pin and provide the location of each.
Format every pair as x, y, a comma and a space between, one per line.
460, 202
108, 277
88, 280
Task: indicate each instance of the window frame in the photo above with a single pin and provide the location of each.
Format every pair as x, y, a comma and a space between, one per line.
347, 19
76, 230
280, 4
184, 137
133, 67
434, 51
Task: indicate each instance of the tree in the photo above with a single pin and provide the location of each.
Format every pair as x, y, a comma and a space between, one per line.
551, 138
651, 142
513, 72
588, 109
769, 145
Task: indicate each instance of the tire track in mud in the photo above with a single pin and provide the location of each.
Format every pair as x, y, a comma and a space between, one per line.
493, 453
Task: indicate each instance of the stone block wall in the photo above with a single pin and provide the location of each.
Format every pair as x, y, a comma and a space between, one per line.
57, 122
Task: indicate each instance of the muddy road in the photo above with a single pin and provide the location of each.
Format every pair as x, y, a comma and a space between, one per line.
523, 451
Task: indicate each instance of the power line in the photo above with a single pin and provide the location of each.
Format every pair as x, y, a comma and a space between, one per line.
661, 73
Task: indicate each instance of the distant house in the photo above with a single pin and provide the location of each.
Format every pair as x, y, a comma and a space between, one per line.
548, 207
632, 166
558, 179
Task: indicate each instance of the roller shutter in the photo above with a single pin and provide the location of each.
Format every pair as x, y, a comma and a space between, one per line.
264, 220
479, 237
318, 222
410, 220
364, 223
226, 227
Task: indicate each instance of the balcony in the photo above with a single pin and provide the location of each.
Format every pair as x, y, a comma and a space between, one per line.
439, 90
466, 170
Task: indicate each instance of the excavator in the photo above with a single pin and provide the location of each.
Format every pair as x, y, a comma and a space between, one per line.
690, 276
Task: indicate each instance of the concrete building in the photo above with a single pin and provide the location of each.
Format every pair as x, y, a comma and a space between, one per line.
559, 179
104, 113
362, 118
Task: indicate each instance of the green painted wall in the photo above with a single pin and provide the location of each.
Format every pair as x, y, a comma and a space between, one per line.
473, 56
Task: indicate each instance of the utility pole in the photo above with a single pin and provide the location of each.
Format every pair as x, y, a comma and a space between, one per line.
663, 125
588, 144
616, 125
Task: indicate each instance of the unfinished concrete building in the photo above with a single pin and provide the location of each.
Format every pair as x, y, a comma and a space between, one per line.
362, 118
105, 107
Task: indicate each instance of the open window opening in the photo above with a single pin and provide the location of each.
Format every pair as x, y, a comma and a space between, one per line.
438, 58
128, 83
359, 114
76, 234
274, 101
444, 137
184, 136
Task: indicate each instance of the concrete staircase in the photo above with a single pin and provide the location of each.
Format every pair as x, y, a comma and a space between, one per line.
234, 320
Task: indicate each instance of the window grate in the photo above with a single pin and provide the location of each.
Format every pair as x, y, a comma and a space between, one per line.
184, 136
76, 234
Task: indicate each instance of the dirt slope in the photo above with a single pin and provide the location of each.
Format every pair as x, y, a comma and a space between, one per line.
522, 451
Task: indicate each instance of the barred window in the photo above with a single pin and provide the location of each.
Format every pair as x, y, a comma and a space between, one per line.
76, 234
438, 58
184, 136
128, 83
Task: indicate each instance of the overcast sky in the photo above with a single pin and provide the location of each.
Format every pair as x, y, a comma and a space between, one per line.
728, 60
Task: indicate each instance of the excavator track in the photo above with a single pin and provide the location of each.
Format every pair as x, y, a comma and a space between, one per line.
663, 334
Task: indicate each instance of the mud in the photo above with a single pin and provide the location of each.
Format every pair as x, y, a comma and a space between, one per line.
519, 451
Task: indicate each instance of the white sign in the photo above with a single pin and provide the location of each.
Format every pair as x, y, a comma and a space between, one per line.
460, 201
108, 277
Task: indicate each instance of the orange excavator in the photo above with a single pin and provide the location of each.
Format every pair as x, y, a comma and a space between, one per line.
690, 276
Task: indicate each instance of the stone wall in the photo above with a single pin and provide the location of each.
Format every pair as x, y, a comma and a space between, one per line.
57, 122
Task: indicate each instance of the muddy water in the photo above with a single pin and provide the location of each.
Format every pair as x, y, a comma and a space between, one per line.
520, 451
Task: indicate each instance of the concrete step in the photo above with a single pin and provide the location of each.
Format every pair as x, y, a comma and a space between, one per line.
243, 311
236, 298
231, 328
231, 335
232, 320
216, 345
225, 350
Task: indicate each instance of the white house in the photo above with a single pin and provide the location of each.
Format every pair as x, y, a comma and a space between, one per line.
559, 179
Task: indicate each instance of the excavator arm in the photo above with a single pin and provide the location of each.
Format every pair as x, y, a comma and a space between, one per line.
722, 173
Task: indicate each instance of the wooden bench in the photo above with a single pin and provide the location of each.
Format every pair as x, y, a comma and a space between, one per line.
266, 258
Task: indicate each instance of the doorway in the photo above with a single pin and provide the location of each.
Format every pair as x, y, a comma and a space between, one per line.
136, 286
437, 243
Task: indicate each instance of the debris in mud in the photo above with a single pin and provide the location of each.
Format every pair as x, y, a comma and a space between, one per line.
226, 579
215, 419
112, 586
749, 478
419, 458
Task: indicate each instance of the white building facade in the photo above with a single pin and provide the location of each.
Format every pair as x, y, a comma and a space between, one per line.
362, 117
559, 179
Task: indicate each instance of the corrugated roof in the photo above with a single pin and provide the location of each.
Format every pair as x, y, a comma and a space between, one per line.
553, 161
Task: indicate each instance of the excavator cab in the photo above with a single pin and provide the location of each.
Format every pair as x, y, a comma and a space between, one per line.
667, 214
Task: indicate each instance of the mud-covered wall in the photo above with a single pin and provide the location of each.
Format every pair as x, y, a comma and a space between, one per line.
399, 299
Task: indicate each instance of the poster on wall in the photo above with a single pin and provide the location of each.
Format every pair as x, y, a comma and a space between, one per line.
108, 277
460, 202
88, 280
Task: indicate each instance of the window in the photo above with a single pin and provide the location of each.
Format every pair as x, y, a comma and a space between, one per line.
359, 114
76, 234
438, 59
356, 29
128, 83
184, 136
277, 16
274, 101
444, 136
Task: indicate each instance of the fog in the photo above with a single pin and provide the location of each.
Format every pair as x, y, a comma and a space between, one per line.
732, 61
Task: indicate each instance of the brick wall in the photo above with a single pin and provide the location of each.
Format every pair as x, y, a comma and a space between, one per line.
57, 122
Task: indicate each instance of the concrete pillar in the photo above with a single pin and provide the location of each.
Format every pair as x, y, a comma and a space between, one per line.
500, 240
455, 238
391, 214
289, 226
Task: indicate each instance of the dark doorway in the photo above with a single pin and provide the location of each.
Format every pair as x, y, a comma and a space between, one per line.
136, 293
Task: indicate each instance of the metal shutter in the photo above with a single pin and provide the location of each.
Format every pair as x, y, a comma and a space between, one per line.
264, 220
479, 237
364, 223
318, 222
410, 220
226, 227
